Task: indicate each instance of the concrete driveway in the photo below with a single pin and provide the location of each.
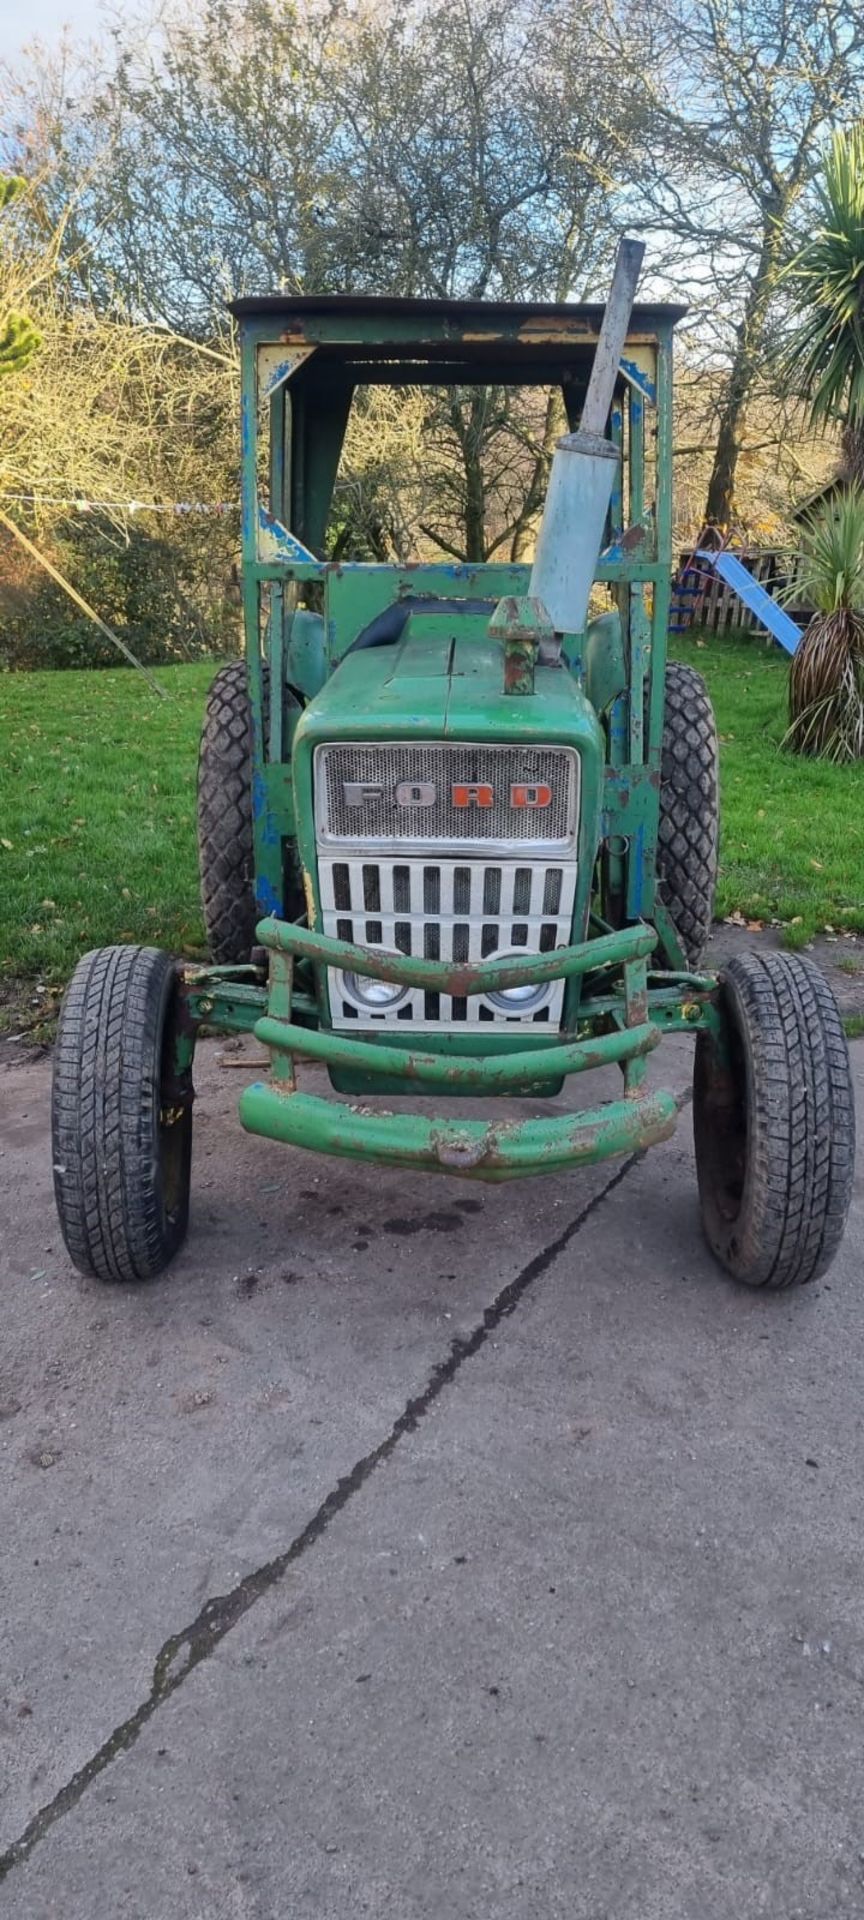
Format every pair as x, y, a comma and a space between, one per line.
425, 1550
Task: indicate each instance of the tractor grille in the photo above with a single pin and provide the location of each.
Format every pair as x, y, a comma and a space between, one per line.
390, 793
446, 910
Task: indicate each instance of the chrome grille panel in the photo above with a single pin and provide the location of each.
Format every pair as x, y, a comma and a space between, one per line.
435, 767
460, 910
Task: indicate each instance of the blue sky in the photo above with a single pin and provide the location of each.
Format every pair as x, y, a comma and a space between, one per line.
44, 20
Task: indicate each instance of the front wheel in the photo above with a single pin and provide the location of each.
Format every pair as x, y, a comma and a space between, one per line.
774, 1122
121, 1116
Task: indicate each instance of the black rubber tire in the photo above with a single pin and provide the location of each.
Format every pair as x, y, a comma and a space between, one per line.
226, 858
775, 1128
225, 853
689, 811
121, 1131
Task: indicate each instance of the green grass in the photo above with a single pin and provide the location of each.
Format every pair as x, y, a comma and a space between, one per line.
792, 830
97, 814
97, 819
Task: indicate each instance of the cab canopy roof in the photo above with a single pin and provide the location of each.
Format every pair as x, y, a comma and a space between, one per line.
443, 341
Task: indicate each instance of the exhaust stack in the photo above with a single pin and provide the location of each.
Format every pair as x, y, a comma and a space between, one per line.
583, 469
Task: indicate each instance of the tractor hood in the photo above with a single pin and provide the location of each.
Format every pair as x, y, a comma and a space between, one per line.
444, 680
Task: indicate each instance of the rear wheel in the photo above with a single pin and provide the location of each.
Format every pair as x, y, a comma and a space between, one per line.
689, 810
121, 1119
774, 1123
226, 855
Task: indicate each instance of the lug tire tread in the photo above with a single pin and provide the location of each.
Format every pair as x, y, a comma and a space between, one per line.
688, 836
105, 1115
225, 850
800, 1123
226, 853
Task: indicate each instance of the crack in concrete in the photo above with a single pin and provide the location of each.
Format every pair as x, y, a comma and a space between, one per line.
184, 1651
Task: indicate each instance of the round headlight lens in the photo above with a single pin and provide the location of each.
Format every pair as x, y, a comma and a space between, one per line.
366, 992
527, 999
373, 996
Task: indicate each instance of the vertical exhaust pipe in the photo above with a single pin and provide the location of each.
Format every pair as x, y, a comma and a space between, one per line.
583, 469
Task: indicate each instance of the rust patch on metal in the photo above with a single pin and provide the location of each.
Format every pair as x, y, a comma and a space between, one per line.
634, 540
462, 1154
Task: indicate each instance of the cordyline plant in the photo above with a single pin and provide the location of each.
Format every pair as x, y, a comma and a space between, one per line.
824, 363
824, 360
826, 679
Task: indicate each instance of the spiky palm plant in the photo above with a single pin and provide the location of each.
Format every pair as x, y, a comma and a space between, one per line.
826, 680
824, 357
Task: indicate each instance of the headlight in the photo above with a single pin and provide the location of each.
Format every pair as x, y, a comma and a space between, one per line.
525, 999
373, 996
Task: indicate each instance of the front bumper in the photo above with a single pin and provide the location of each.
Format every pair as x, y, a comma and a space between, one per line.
501, 1150
496, 1150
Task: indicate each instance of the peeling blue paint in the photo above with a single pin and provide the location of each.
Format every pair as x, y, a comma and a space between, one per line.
468, 571
637, 872
619, 738
282, 371
285, 541
247, 447
616, 503
267, 900
266, 824
639, 379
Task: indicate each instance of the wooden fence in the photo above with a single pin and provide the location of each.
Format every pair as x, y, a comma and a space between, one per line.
700, 598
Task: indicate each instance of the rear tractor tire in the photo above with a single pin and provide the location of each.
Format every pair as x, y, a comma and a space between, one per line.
774, 1123
688, 835
226, 855
121, 1119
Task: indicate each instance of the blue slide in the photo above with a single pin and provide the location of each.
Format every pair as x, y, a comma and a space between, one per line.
754, 596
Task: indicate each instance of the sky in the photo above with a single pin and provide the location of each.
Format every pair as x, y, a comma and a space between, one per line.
22, 20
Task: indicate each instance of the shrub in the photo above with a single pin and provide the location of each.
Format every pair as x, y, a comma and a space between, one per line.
826, 680
169, 599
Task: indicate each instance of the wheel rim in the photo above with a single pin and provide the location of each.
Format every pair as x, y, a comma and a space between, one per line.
173, 1155
174, 1138
720, 1117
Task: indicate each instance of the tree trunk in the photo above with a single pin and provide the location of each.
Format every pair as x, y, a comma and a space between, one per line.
852, 457
475, 504
750, 336
554, 424
467, 423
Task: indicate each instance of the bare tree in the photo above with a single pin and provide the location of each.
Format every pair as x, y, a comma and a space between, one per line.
109, 422
734, 98
455, 149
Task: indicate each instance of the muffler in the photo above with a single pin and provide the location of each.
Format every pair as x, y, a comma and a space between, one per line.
583, 470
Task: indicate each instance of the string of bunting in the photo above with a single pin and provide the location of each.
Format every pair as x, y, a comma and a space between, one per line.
121, 506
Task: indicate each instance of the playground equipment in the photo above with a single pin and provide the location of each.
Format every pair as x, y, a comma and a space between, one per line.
456, 837
694, 577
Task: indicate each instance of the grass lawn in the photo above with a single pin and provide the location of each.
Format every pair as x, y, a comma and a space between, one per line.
791, 830
97, 817
97, 814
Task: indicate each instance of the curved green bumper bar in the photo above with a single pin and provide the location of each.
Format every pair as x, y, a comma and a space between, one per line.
485, 1073
455, 977
483, 1150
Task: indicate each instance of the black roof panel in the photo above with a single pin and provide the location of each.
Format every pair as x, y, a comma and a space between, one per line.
364, 306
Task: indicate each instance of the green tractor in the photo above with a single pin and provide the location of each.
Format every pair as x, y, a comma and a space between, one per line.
458, 837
